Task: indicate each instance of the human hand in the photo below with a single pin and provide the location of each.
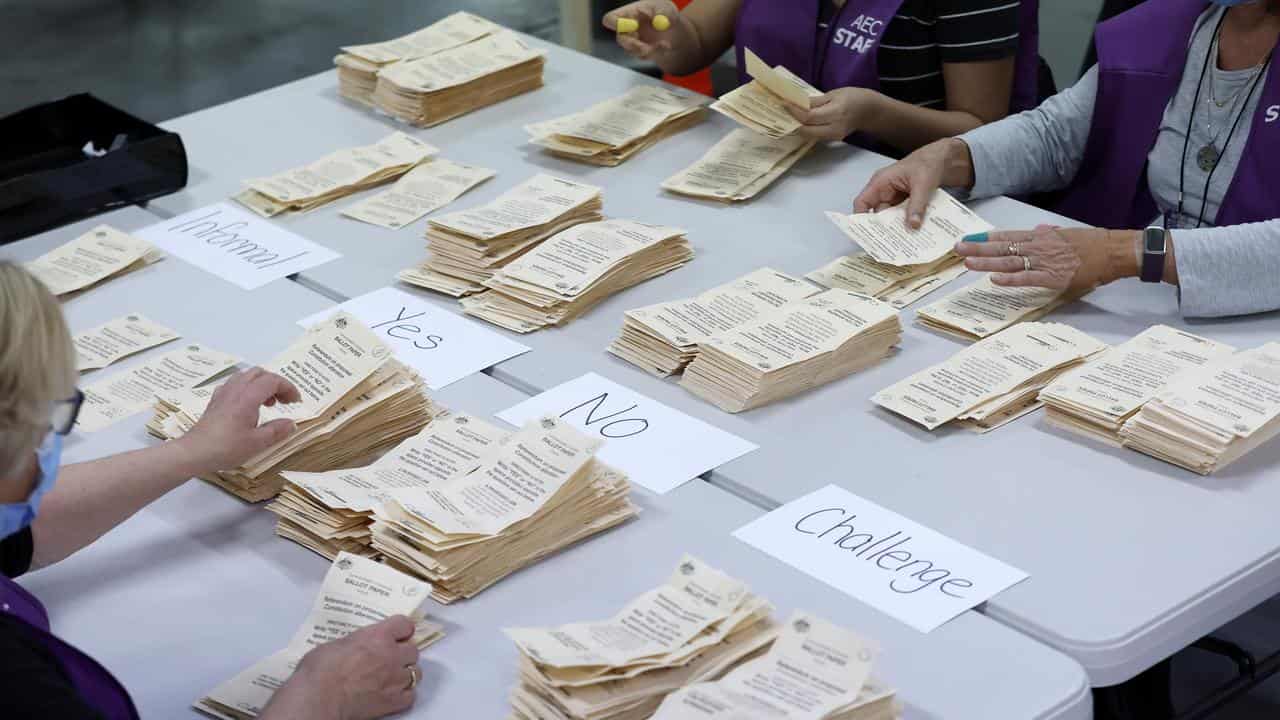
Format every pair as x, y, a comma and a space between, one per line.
835, 115
228, 433
371, 673
647, 42
914, 179
1075, 260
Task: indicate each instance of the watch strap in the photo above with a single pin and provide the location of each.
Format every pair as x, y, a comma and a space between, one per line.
1154, 247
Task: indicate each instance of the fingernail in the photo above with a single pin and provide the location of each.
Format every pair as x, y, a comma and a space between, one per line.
916, 219
975, 238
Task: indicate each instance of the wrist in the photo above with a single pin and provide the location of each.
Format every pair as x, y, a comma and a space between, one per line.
957, 164
186, 457
1124, 253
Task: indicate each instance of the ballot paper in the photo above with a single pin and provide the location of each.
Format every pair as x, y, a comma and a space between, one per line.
984, 308
1207, 417
902, 568
440, 345
102, 253
427, 91
815, 670
117, 339
647, 440
612, 131
1097, 398
114, 398
799, 346
739, 167
898, 286
988, 377
664, 338
761, 105
693, 627
335, 175
887, 239
425, 189
357, 592
575, 270
237, 246
469, 246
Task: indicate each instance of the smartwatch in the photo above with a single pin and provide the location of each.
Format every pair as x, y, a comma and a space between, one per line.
1155, 241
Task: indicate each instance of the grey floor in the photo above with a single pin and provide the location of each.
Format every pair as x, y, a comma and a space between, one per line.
163, 58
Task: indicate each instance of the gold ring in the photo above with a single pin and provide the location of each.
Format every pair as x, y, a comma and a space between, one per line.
1026, 263
414, 675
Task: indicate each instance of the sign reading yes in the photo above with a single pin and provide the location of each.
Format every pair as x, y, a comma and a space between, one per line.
659, 448
442, 346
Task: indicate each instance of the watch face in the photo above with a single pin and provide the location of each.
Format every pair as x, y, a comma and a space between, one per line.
1153, 240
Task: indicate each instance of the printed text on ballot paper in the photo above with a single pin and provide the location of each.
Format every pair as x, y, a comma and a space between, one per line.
658, 447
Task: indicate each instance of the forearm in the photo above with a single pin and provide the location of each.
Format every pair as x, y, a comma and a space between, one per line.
1227, 270
908, 127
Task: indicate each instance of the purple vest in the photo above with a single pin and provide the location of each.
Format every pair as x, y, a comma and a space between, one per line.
96, 686
785, 32
1141, 57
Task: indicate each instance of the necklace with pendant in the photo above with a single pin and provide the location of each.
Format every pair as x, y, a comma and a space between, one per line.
1209, 155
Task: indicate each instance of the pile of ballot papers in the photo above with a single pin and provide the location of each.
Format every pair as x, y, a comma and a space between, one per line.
96, 256
994, 381
332, 511
796, 347
983, 308
335, 176
575, 270
761, 105
898, 286
429, 90
610, 132
1208, 417
664, 338
739, 167
694, 627
467, 247
1097, 398
423, 190
356, 593
110, 399
357, 401
537, 492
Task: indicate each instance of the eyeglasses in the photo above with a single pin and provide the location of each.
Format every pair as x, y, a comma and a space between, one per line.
65, 413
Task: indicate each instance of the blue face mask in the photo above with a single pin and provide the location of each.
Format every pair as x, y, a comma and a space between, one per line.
16, 516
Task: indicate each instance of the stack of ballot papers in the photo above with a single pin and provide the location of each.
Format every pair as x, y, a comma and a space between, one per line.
1208, 417
331, 512
610, 132
692, 628
994, 381
575, 270
761, 105
335, 176
358, 65
536, 492
739, 167
357, 401
815, 670
786, 351
116, 397
425, 189
664, 338
102, 253
429, 90
1096, 398
983, 308
898, 286
467, 247
356, 593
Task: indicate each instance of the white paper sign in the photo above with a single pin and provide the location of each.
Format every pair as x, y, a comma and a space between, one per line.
442, 346
904, 569
236, 245
657, 447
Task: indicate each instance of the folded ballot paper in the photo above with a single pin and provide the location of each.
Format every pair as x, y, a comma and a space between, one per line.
469, 246
357, 592
1208, 417
575, 270
331, 512
96, 256
335, 176
357, 401
610, 132
1097, 398
899, 286
761, 105
664, 338
534, 493
992, 382
798, 346
739, 167
693, 627
983, 308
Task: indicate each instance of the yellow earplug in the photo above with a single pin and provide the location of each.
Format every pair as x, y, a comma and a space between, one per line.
661, 23
628, 25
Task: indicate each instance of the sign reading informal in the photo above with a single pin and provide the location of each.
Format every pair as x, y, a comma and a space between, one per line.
657, 447
235, 245
442, 346
901, 568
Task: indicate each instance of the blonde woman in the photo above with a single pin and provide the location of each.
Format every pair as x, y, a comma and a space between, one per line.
369, 674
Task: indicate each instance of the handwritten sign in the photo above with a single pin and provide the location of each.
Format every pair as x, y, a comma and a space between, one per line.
442, 346
657, 447
235, 245
900, 567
